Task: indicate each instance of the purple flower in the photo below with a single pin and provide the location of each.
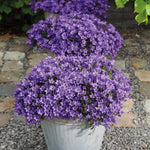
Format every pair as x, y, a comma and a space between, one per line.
95, 7
73, 87
75, 34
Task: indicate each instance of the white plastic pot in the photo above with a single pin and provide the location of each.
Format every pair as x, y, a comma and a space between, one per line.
65, 135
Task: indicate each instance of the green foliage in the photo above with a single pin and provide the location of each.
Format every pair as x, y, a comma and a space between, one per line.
141, 7
19, 11
121, 3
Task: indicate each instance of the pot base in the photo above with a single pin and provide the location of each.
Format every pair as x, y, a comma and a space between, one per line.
63, 136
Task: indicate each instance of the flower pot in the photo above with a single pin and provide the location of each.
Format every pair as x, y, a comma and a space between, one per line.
65, 135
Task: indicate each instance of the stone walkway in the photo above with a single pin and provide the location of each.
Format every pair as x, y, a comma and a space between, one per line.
17, 59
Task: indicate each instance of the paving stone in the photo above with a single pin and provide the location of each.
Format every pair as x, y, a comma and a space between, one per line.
147, 106
1, 56
20, 48
4, 38
128, 105
35, 59
139, 63
134, 50
4, 119
14, 55
145, 89
16, 66
10, 76
3, 45
20, 39
120, 64
126, 120
148, 120
143, 75
7, 104
147, 48
7, 89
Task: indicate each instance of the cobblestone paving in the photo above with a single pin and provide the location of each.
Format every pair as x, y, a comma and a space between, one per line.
17, 59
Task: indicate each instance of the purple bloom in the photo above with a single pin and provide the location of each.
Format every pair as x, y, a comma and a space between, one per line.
95, 7
75, 34
73, 87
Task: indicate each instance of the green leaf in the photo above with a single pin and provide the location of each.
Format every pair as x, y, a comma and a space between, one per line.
27, 10
26, 1
0, 17
4, 8
148, 9
7, 10
19, 4
121, 3
26, 27
139, 6
141, 17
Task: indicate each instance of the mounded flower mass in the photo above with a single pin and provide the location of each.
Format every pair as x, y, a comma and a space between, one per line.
95, 7
73, 87
75, 34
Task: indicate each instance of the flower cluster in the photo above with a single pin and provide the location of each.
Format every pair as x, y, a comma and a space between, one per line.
95, 7
75, 34
73, 87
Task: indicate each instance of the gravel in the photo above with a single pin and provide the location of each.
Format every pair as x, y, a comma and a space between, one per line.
19, 136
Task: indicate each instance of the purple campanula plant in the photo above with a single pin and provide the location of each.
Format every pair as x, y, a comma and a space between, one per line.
95, 7
73, 87
75, 34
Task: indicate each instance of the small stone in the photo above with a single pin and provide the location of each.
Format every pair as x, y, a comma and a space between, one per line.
35, 59
145, 89
4, 119
146, 40
126, 74
14, 55
7, 104
146, 32
147, 106
128, 42
1, 56
20, 48
20, 118
148, 120
143, 75
128, 105
120, 64
3, 45
3, 146
133, 50
139, 63
7, 89
10, 76
146, 47
126, 120
16, 66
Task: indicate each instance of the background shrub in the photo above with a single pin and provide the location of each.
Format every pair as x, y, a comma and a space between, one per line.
16, 14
